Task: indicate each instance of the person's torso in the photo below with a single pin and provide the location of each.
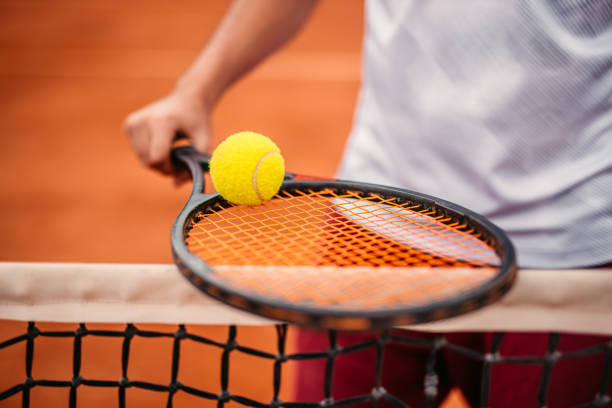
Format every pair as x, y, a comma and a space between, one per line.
503, 107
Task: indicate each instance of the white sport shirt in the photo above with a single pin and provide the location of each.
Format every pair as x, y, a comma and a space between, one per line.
504, 107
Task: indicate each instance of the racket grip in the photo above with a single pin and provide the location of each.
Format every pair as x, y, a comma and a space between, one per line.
187, 158
181, 145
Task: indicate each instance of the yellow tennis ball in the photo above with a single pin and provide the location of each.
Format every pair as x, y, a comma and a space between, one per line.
247, 168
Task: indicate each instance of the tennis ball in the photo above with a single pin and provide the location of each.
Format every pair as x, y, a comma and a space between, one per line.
247, 168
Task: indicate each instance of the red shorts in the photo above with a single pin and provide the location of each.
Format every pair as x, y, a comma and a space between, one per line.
573, 381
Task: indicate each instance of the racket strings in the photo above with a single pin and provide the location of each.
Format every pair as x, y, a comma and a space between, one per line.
428, 229
362, 250
327, 228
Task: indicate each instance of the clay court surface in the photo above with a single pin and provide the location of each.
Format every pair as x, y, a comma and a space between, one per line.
72, 191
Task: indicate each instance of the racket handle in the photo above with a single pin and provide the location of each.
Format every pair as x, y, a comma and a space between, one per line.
187, 157
182, 145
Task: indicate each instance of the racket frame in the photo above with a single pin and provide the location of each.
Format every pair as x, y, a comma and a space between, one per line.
202, 275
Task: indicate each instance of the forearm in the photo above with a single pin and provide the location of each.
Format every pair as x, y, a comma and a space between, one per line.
250, 31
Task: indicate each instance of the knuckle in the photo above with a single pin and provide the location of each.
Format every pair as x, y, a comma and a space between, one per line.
159, 156
128, 125
132, 123
163, 118
144, 159
156, 159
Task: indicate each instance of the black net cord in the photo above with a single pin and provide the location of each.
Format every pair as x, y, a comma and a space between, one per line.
378, 390
489, 360
179, 335
431, 377
551, 357
129, 333
329, 367
76, 364
279, 360
230, 345
33, 332
602, 398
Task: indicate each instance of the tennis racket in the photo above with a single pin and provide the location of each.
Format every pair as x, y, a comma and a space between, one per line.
339, 254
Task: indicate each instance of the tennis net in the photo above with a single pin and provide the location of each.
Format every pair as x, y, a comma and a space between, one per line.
140, 335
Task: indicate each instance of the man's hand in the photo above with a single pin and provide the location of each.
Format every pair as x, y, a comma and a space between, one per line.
152, 129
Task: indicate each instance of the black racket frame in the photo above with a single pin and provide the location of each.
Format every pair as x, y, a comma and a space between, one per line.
202, 275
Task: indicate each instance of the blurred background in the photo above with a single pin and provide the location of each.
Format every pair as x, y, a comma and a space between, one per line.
73, 191
70, 72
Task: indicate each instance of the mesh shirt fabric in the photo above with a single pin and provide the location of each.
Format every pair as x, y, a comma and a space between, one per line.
502, 107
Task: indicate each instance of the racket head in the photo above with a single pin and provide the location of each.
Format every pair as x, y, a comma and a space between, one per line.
321, 254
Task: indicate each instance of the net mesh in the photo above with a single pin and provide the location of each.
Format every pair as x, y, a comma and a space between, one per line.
433, 347
350, 240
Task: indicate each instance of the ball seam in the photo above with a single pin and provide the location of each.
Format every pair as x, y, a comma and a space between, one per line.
255, 174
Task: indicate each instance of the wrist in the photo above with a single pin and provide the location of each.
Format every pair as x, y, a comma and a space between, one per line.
198, 87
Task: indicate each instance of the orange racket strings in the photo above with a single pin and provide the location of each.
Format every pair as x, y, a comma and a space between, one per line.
326, 249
